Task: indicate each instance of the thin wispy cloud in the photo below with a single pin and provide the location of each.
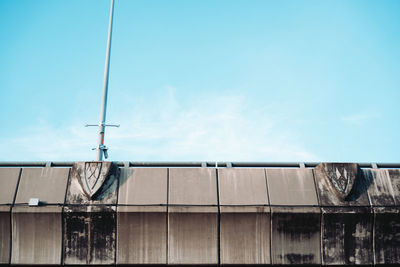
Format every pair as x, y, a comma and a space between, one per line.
360, 118
213, 128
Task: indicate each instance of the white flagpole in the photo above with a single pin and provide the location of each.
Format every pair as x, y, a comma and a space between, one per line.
102, 124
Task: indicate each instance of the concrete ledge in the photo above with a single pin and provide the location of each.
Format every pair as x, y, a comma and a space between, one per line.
244, 209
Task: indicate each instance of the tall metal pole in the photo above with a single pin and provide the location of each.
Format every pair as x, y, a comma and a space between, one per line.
102, 123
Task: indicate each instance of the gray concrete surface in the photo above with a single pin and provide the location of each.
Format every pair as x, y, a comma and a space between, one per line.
242, 187
47, 184
381, 191
5, 229
8, 184
107, 192
192, 186
245, 237
387, 235
359, 223
140, 186
36, 235
89, 235
295, 235
354, 191
192, 238
291, 187
141, 236
347, 236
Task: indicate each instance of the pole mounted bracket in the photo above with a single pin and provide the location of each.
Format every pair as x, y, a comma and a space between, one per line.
106, 125
103, 149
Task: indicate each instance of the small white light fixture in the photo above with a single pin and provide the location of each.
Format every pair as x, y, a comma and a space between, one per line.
33, 202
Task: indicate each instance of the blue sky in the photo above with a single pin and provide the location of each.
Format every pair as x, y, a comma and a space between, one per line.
229, 80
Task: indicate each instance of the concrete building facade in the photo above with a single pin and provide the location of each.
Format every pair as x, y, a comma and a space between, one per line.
199, 214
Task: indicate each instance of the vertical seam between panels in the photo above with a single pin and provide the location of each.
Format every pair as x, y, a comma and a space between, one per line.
270, 217
167, 221
321, 219
218, 219
116, 216
373, 235
62, 217
11, 220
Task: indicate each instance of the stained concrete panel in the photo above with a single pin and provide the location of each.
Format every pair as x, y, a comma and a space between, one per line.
5, 234
143, 186
36, 235
341, 184
347, 236
89, 235
192, 186
381, 191
242, 187
192, 238
141, 237
394, 175
107, 183
295, 235
8, 184
47, 184
387, 235
291, 187
245, 238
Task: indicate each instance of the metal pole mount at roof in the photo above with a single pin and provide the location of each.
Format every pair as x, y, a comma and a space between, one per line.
101, 148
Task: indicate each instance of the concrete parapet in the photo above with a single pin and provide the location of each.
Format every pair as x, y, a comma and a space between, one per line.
46, 184
347, 236
89, 235
141, 235
8, 185
193, 235
244, 216
5, 234
36, 235
142, 216
245, 235
387, 235
97, 213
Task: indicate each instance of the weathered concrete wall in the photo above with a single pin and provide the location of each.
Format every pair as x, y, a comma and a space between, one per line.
5, 228
36, 233
8, 185
192, 216
142, 236
89, 235
89, 217
193, 236
245, 216
384, 193
46, 184
333, 214
245, 237
295, 217
347, 218
142, 216
347, 236
387, 235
